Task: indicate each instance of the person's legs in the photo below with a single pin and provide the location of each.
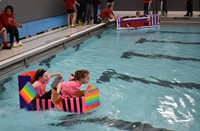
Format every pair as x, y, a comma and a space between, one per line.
190, 8
187, 8
79, 12
11, 31
68, 20
90, 13
146, 8
87, 13
5, 43
165, 6
16, 34
96, 7
153, 6
4, 36
156, 7
73, 16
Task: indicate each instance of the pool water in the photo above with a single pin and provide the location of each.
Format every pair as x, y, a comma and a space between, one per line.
148, 76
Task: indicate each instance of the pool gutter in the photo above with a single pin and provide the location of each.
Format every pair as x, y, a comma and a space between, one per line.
15, 63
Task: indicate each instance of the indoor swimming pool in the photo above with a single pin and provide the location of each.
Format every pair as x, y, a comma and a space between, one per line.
147, 76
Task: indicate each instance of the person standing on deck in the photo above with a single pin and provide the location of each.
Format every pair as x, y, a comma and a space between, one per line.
189, 7
146, 7
164, 7
155, 6
96, 4
70, 4
88, 13
81, 11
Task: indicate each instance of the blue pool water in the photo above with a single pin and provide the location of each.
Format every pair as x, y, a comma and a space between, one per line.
150, 76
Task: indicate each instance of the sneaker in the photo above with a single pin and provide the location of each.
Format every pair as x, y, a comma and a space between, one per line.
79, 22
20, 43
186, 15
15, 45
72, 25
8, 47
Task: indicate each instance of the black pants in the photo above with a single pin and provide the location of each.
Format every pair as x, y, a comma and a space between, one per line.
13, 33
164, 7
80, 12
146, 7
96, 7
189, 7
155, 7
88, 13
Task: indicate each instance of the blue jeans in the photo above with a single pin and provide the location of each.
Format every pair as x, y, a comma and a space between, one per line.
96, 7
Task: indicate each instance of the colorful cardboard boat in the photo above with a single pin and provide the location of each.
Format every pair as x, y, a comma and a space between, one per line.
28, 98
135, 23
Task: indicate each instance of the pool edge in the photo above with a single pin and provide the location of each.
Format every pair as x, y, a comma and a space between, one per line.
25, 59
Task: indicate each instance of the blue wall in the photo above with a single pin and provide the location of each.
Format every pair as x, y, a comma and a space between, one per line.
32, 28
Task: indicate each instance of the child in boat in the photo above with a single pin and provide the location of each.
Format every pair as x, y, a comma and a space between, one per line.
72, 88
41, 79
107, 14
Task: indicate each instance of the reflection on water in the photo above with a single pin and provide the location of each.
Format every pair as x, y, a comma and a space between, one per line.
175, 111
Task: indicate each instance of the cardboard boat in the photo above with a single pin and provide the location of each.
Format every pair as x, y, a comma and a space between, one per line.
135, 23
28, 100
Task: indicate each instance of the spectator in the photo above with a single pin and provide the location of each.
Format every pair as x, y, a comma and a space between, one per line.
3, 32
146, 7
88, 13
189, 7
164, 7
155, 6
96, 4
80, 11
7, 19
199, 7
112, 3
107, 14
70, 4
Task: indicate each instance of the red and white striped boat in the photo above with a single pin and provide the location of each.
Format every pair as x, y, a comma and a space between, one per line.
135, 23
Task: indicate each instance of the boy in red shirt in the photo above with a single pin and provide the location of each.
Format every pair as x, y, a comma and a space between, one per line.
107, 14
71, 12
4, 36
7, 20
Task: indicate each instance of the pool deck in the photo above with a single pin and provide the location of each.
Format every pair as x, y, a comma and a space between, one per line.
54, 40
43, 45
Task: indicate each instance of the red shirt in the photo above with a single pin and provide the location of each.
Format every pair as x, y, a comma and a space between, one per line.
146, 1
1, 26
70, 4
7, 20
106, 13
70, 89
